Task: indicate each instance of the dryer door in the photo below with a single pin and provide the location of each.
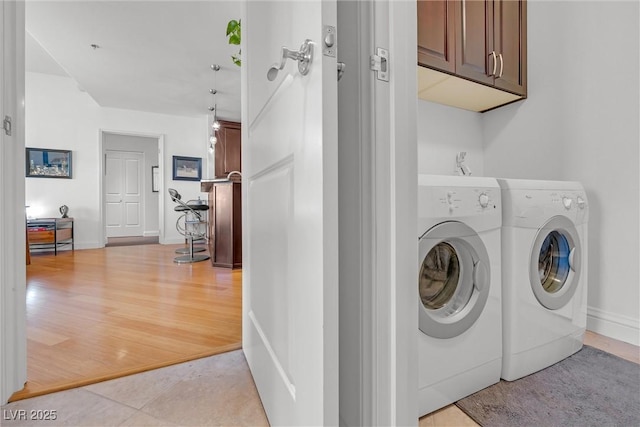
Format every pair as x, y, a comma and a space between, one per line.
554, 270
453, 279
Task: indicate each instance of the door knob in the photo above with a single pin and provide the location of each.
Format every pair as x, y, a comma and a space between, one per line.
304, 57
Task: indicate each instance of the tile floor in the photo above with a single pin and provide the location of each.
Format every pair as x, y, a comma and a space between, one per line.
216, 390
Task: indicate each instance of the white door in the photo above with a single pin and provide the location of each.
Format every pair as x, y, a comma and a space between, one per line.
13, 337
290, 213
123, 192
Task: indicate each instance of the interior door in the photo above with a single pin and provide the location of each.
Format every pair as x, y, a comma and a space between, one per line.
290, 213
124, 199
13, 336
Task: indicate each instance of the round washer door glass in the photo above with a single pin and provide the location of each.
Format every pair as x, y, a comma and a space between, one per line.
453, 280
555, 260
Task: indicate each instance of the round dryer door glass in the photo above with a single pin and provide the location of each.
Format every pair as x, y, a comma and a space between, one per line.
553, 262
439, 276
554, 272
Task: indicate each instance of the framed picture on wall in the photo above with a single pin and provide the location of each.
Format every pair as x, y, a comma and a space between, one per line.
155, 179
47, 163
187, 168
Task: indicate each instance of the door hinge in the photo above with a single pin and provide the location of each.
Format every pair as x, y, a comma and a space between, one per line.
6, 125
380, 64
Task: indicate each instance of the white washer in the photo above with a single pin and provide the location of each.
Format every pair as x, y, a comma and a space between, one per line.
459, 292
544, 280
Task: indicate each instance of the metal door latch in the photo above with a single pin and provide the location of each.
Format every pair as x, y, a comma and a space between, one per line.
6, 125
329, 41
341, 68
380, 64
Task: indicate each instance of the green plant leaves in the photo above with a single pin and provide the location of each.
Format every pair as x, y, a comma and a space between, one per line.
235, 36
232, 25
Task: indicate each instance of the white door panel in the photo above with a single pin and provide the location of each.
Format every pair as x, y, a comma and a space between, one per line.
124, 201
132, 214
113, 216
132, 181
290, 281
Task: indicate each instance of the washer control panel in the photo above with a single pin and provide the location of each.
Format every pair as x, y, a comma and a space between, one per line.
462, 202
476, 201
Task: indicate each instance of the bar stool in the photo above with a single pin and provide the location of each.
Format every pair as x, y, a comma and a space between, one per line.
191, 225
199, 242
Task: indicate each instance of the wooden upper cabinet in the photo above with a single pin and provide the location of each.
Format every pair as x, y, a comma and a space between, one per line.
510, 40
436, 41
228, 149
475, 42
482, 41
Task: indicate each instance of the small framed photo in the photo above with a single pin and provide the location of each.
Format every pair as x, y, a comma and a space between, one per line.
187, 168
155, 179
47, 163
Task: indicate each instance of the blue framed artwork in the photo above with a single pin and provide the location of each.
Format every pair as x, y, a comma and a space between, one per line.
187, 168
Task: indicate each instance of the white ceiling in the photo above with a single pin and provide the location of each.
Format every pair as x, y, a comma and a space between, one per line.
153, 55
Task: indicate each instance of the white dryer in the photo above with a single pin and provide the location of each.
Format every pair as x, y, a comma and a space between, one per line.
458, 288
544, 280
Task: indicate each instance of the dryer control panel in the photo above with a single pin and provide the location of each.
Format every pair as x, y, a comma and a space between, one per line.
529, 208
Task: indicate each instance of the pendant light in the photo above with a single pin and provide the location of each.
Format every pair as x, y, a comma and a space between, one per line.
216, 124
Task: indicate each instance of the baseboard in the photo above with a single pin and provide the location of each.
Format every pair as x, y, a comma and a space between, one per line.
151, 233
83, 245
173, 241
613, 325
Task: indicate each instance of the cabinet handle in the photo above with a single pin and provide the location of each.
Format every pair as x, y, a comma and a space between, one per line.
495, 63
501, 66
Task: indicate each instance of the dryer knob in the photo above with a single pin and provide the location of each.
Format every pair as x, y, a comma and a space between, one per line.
484, 200
567, 202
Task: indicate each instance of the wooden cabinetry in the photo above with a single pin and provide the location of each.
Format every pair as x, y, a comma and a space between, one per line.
228, 149
491, 46
436, 40
225, 223
50, 233
481, 41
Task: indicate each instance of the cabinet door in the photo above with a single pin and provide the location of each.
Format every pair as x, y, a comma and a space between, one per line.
436, 38
474, 41
228, 148
510, 36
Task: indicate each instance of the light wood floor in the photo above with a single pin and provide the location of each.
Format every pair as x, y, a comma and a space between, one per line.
99, 314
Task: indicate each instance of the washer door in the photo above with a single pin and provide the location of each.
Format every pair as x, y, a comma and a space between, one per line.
554, 270
453, 279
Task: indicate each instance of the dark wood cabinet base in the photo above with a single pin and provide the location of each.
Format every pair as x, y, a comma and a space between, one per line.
225, 224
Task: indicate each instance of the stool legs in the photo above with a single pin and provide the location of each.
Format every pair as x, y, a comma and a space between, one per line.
191, 256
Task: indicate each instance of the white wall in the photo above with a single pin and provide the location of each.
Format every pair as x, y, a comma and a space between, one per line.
581, 122
149, 147
444, 131
59, 115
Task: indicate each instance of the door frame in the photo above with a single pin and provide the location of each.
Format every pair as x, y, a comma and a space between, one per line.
378, 214
102, 181
394, 317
